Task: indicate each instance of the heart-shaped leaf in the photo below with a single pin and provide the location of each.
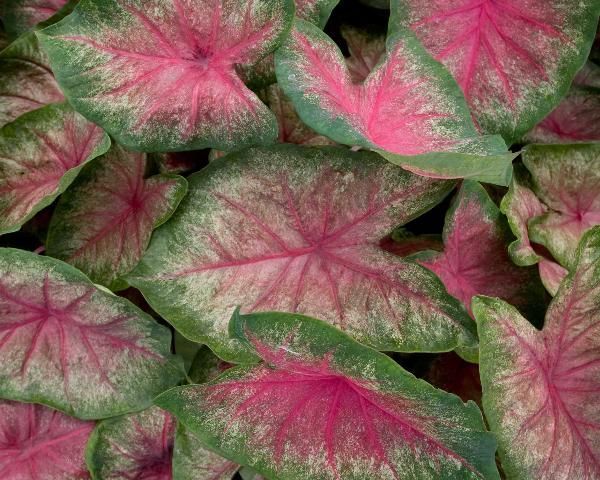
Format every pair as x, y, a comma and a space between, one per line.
70, 345
324, 406
102, 224
475, 259
409, 106
26, 81
161, 75
297, 229
41, 153
566, 178
513, 60
18, 16
37, 442
540, 389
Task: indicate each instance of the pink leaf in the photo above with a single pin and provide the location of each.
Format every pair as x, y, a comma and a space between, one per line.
37, 443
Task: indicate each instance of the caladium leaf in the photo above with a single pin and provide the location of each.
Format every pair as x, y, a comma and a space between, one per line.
19, 16
308, 244
408, 106
41, 153
540, 389
206, 366
102, 224
27, 83
365, 48
77, 348
409, 244
160, 75
475, 260
566, 178
552, 274
37, 442
513, 60
324, 406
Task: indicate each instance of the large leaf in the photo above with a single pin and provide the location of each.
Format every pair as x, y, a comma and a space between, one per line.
70, 345
41, 153
324, 406
26, 81
475, 259
297, 229
566, 178
19, 16
161, 75
540, 389
409, 106
513, 60
37, 442
102, 224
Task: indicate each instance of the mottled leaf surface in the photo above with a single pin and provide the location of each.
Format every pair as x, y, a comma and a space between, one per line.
540, 388
365, 48
70, 345
37, 442
297, 229
41, 153
103, 222
19, 16
26, 81
475, 259
513, 60
566, 178
324, 406
160, 75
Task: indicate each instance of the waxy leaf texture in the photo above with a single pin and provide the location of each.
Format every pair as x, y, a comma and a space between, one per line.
324, 406
540, 388
72, 346
102, 224
37, 442
161, 75
297, 229
513, 60
27, 81
409, 105
41, 153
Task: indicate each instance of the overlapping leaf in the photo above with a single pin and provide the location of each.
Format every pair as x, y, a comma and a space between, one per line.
41, 153
366, 50
161, 75
26, 81
324, 406
408, 106
540, 389
37, 442
19, 16
70, 345
297, 229
513, 60
102, 224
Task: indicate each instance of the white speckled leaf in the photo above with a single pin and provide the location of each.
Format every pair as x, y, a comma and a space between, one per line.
26, 81
408, 107
41, 153
540, 388
297, 229
39, 443
513, 59
323, 406
70, 345
161, 75
103, 222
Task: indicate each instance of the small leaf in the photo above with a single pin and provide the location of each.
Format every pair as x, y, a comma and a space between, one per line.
408, 106
37, 442
18, 16
366, 50
41, 153
540, 389
475, 260
297, 229
566, 178
27, 81
70, 345
513, 60
408, 244
102, 224
161, 75
551, 274
324, 406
